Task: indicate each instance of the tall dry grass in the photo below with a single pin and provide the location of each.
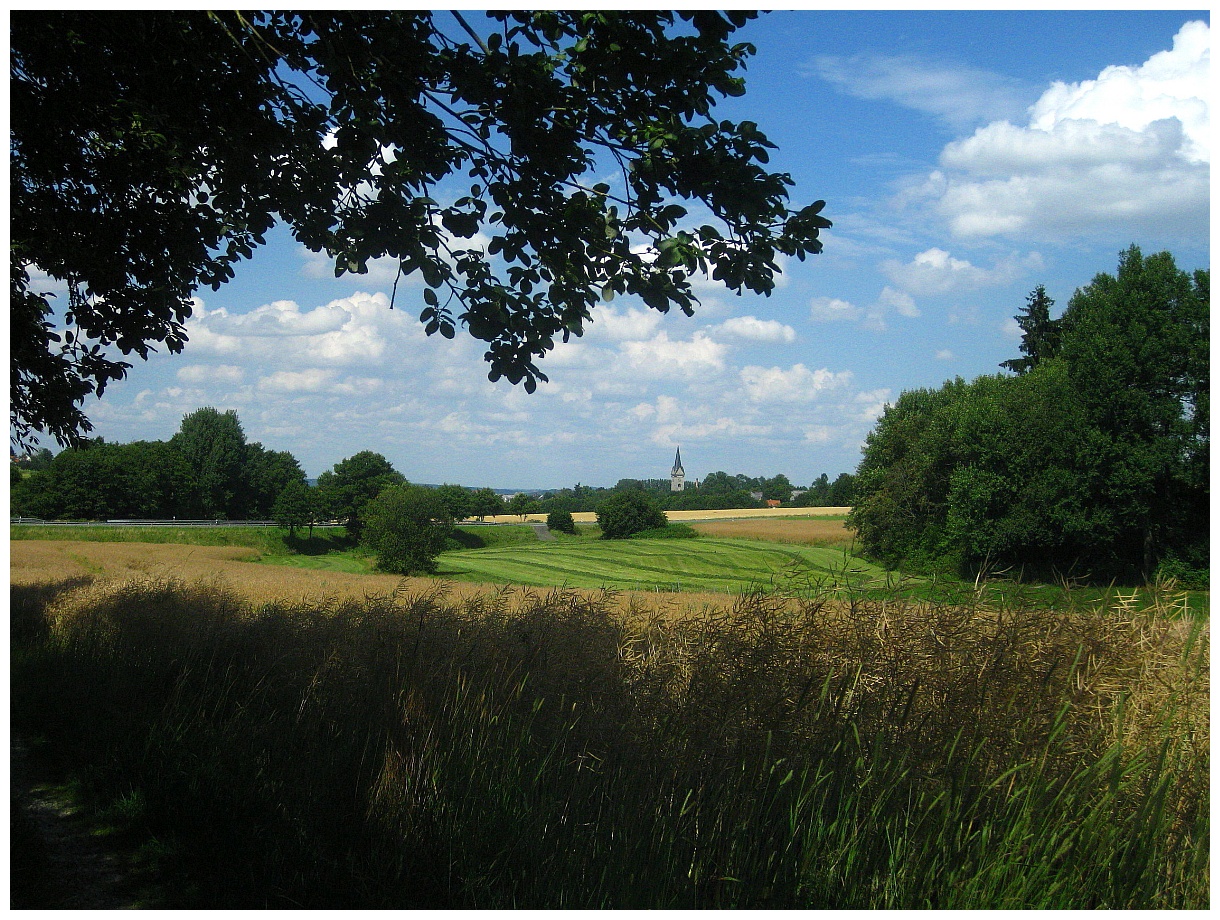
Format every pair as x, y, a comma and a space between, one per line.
560, 749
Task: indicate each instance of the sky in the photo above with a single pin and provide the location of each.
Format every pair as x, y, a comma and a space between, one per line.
964, 157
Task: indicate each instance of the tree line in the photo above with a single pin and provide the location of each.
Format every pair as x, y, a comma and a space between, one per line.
209, 471
1090, 460
717, 490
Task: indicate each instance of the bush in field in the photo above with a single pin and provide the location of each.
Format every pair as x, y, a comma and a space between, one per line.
407, 526
561, 521
624, 514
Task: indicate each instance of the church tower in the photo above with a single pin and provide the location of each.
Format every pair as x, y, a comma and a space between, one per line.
677, 477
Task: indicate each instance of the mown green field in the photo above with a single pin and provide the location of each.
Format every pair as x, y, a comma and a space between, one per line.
666, 565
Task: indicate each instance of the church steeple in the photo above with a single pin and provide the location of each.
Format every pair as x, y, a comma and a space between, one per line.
677, 476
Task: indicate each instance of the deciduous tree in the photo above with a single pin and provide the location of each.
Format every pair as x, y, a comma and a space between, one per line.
459, 501
487, 502
523, 504
267, 474
353, 483
294, 507
214, 445
406, 526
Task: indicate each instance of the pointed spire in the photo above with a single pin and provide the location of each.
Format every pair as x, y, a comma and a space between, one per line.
678, 461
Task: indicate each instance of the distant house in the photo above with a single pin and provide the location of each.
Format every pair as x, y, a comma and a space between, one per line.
772, 502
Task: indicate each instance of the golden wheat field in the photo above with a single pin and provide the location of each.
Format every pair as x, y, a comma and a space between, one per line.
236, 568
817, 530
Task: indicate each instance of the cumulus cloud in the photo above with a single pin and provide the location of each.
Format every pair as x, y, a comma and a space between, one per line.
832, 309
621, 325
356, 330
1128, 150
660, 357
900, 301
750, 328
796, 384
870, 404
934, 272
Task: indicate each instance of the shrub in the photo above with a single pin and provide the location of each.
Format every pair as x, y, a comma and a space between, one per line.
561, 521
407, 526
626, 513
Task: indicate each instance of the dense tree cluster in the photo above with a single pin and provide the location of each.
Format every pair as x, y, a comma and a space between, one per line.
823, 493
1091, 462
151, 152
207, 470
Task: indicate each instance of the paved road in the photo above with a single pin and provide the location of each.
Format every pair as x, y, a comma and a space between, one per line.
543, 532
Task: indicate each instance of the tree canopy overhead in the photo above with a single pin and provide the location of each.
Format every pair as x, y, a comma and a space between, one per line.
152, 151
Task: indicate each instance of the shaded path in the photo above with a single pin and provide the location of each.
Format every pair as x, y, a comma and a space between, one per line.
544, 532
59, 857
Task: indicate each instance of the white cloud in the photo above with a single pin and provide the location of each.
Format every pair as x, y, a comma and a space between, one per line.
753, 329
210, 373
796, 384
1129, 150
311, 380
630, 324
870, 404
959, 95
935, 272
1172, 86
832, 309
662, 358
1011, 330
944, 354
353, 331
900, 301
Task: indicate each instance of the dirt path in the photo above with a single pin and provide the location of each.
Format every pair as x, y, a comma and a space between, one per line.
59, 857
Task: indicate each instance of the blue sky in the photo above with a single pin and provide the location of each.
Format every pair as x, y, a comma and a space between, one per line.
964, 157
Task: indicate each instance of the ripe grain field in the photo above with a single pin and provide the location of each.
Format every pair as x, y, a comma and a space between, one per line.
309, 737
267, 580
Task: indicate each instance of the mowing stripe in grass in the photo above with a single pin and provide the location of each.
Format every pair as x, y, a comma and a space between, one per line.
714, 565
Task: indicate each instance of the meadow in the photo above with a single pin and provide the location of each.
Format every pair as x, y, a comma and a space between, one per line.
281, 736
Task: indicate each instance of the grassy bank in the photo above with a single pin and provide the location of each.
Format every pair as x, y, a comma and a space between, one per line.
517, 749
272, 541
